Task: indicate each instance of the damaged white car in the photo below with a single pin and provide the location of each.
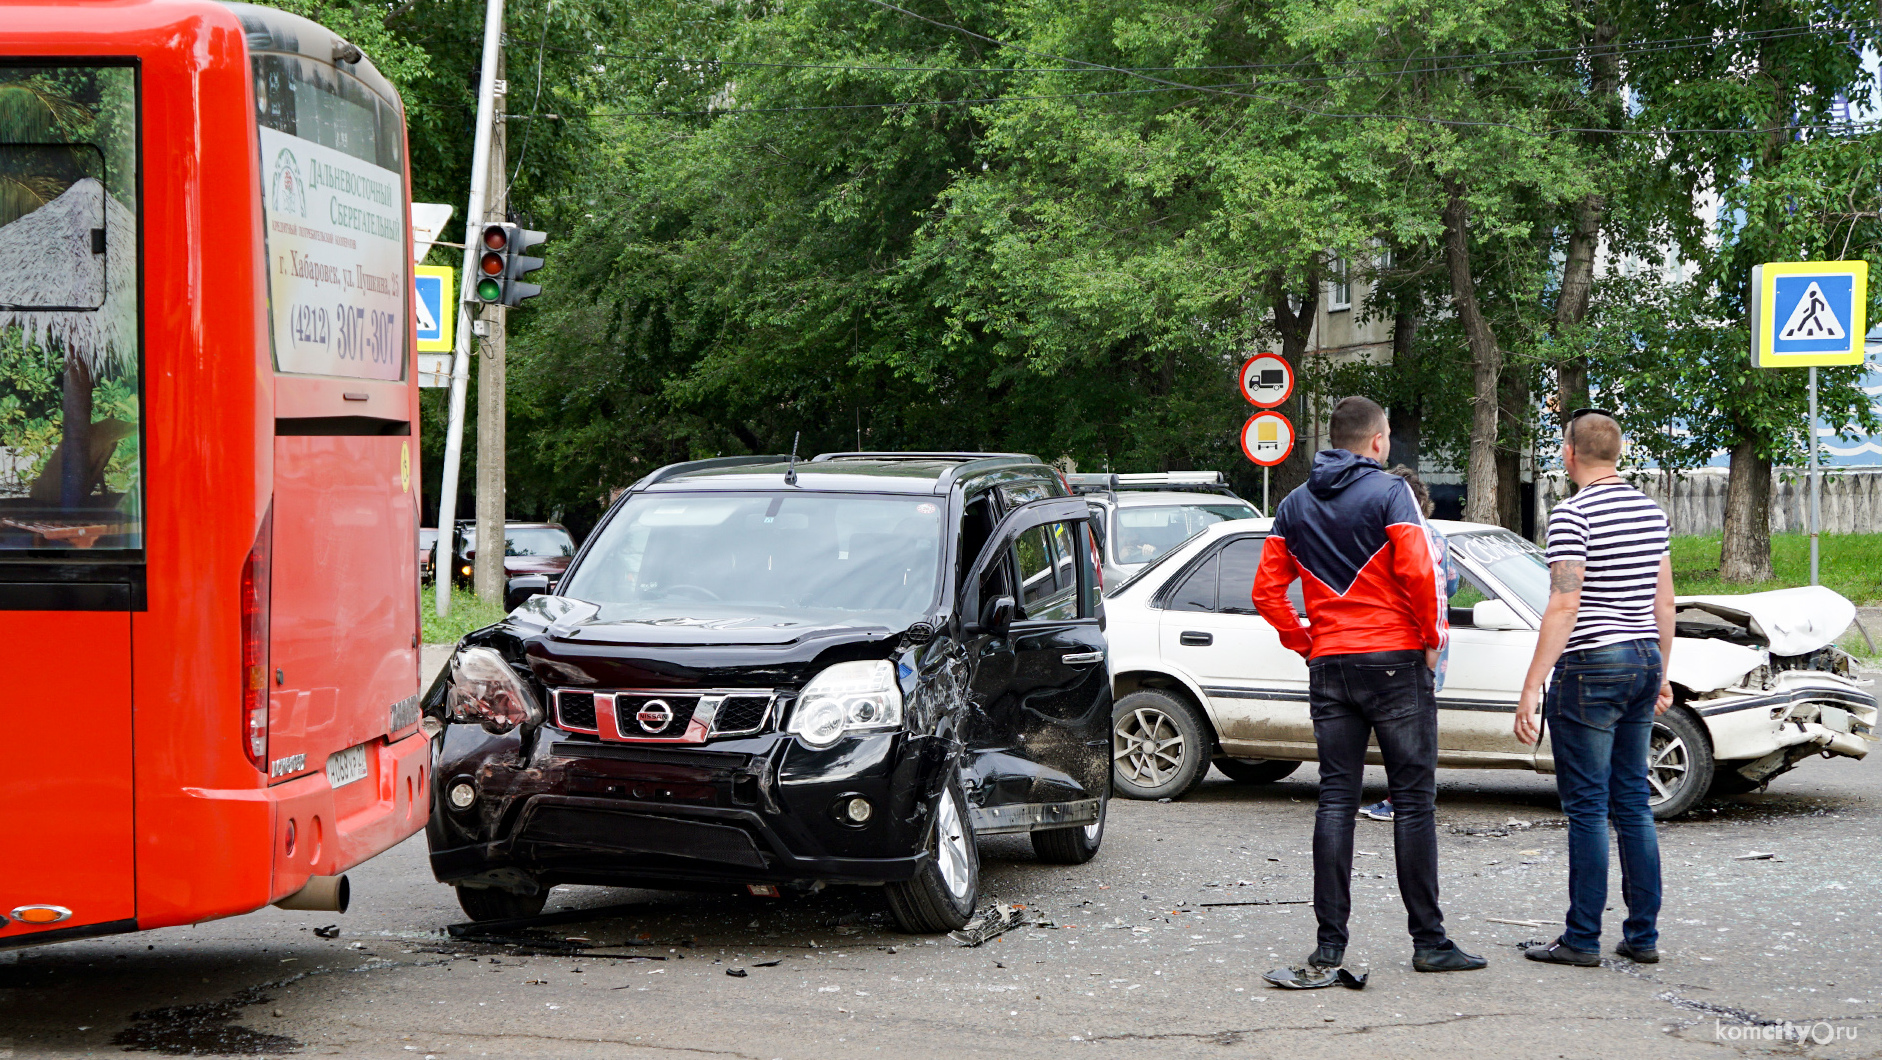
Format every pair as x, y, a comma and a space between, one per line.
1200, 677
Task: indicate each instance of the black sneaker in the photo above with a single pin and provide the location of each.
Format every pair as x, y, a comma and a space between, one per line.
1638, 954
1446, 957
1326, 956
1558, 952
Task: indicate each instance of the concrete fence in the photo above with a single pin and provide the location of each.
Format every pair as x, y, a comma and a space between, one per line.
1851, 501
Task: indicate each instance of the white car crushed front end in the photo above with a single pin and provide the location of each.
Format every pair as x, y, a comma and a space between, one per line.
1764, 673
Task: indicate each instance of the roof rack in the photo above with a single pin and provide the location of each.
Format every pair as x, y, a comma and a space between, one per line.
1182, 481
688, 466
821, 457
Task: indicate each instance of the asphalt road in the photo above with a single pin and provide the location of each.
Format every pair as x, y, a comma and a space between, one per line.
1144, 959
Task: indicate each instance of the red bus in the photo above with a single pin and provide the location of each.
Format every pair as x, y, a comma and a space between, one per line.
208, 513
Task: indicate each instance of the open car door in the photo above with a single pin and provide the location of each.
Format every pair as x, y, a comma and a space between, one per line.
1031, 612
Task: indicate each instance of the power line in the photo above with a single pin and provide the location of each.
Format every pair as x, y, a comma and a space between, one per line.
1641, 47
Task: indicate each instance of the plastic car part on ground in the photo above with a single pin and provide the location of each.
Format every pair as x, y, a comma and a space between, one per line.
1314, 977
990, 924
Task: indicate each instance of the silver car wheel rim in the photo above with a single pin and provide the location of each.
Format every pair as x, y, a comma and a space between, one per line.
1667, 765
951, 846
1147, 747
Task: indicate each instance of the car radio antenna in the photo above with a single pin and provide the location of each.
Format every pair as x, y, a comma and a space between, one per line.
790, 471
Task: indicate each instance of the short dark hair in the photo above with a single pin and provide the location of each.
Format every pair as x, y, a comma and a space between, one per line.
1417, 487
1354, 421
1595, 437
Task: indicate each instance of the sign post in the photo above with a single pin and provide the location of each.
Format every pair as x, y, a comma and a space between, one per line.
1267, 380
1807, 314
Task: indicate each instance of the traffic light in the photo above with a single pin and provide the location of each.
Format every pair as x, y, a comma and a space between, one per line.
514, 289
501, 265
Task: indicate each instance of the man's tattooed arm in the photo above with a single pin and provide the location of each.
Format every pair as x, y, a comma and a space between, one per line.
1565, 576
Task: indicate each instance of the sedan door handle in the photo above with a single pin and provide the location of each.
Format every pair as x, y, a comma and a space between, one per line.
1190, 639
1082, 658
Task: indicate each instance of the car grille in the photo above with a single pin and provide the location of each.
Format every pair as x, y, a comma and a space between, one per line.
654, 717
663, 715
741, 714
575, 710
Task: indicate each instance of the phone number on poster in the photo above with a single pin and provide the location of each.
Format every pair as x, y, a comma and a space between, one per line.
351, 333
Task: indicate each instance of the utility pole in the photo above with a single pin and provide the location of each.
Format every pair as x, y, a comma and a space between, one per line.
473, 246
488, 575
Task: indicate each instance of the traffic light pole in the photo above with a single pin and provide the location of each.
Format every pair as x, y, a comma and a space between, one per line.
488, 574
473, 243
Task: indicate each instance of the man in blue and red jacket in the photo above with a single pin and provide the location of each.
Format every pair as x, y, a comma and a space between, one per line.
1376, 621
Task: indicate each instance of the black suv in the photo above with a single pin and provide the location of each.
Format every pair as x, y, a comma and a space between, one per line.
773, 674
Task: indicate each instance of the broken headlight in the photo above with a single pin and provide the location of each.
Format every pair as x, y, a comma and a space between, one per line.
485, 690
848, 697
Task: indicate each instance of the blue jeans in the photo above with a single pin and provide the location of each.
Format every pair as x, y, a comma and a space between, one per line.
1599, 711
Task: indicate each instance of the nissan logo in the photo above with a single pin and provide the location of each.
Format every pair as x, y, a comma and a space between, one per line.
654, 715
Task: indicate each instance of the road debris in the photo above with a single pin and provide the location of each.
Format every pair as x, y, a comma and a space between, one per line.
773, 963
1520, 923
1263, 901
331, 931
1757, 855
736, 973
989, 924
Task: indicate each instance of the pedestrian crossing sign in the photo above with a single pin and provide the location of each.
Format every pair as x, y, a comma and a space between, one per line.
1808, 313
434, 308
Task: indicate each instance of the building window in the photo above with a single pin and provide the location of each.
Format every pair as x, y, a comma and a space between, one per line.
1339, 285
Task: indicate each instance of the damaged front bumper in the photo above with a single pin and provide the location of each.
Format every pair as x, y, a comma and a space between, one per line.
1763, 732
765, 809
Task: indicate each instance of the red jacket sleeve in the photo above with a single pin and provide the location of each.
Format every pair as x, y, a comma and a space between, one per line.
1277, 571
1415, 565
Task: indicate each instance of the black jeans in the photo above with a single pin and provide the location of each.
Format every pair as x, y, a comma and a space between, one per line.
1388, 693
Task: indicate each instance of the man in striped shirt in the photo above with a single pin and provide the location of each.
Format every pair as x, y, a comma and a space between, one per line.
1605, 638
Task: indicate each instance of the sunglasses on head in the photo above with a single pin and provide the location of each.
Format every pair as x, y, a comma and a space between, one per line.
1568, 425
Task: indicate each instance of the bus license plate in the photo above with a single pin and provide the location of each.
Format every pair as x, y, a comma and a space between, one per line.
344, 767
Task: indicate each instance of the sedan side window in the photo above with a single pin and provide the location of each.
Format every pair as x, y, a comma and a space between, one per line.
1470, 593
1240, 560
1197, 593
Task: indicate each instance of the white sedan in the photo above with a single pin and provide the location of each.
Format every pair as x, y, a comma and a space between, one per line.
1200, 677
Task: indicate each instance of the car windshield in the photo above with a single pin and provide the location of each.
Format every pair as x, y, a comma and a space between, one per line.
850, 559
1143, 534
537, 541
1513, 561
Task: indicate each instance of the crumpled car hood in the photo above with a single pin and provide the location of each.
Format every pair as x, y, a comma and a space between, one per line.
1791, 621
579, 621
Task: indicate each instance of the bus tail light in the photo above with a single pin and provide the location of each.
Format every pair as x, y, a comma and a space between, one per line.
255, 645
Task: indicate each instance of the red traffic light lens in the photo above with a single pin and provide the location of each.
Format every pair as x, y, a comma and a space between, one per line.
496, 238
492, 264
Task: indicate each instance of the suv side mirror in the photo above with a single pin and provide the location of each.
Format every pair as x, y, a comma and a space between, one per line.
999, 617
1495, 614
522, 587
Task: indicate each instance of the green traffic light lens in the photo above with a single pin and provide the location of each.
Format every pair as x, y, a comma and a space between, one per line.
489, 290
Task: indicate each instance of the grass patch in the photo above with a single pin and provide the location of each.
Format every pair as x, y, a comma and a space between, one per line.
468, 612
1849, 563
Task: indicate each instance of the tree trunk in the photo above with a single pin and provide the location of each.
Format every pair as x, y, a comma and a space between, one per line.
75, 434
1745, 548
1486, 361
1406, 420
1571, 306
1295, 327
1513, 408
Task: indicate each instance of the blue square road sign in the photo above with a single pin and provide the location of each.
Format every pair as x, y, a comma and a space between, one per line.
1808, 313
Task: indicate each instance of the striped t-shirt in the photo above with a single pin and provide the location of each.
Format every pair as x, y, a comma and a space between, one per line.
1621, 535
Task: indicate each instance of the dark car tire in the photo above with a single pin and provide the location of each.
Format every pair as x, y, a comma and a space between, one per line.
930, 904
1146, 714
1071, 846
490, 903
1679, 763
1256, 770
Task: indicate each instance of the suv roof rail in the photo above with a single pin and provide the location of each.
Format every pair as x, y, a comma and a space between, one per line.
1180, 481
963, 456
687, 466
985, 462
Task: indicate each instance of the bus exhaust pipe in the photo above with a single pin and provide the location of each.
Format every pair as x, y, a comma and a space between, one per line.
324, 894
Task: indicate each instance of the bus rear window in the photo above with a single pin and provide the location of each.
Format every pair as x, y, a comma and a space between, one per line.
333, 193
70, 404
